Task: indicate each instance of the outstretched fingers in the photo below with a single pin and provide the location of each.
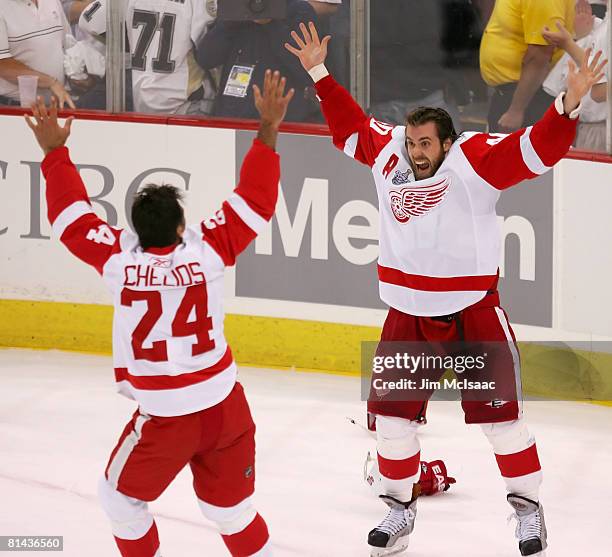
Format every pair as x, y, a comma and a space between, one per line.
31, 123
257, 95
267, 83
274, 84
287, 98
306, 33
298, 40
595, 61
313, 32
280, 88
584, 64
292, 49
597, 68
53, 110
42, 109
68, 125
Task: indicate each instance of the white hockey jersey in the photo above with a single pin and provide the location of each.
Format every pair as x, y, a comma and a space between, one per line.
439, 238
161, 36
169, 349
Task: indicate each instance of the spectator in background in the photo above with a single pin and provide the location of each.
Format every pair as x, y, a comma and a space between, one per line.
245, 50
32, 37
591, 134
515, 59
166, 78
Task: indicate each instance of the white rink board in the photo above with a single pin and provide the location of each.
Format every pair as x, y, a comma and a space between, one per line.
60, 419
582, 264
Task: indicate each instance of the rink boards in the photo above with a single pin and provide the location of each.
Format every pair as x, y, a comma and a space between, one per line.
305, 293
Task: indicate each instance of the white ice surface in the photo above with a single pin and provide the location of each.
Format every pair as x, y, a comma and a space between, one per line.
60, 418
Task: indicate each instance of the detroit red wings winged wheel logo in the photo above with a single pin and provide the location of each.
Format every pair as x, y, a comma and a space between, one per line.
416, 201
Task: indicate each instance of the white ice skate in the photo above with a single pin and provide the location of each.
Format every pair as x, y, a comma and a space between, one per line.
391, 535
530, 527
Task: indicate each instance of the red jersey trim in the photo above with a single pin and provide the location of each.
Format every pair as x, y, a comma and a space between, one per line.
436, 284
169, 382
162, 251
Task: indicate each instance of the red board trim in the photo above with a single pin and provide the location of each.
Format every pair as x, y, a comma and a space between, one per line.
236, 124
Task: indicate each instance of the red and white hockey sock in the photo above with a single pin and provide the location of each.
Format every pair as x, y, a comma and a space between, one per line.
522, 472
517, 457
147, 546
254, 540
399, 456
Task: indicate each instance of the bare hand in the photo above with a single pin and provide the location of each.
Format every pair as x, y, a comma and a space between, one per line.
272, 103
580, 81
511, 121
311, 51
62, 95
583, 21
49, 134
560, 39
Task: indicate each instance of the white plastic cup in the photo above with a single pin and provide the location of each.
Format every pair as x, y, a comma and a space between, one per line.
28, 87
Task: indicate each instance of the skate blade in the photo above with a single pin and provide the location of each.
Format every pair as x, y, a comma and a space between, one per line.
400, 546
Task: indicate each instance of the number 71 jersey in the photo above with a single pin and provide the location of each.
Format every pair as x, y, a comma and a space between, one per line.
162, 35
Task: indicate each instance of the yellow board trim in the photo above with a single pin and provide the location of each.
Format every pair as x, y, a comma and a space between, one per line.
257, 341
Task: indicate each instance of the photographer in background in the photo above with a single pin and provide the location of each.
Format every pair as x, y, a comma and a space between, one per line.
246, 48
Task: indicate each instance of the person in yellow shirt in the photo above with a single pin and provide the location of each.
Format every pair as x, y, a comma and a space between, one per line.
515, 59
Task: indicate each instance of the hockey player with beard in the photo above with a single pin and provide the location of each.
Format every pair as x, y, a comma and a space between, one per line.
438, 270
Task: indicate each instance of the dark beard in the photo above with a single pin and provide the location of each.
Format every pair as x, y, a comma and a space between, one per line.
434, 168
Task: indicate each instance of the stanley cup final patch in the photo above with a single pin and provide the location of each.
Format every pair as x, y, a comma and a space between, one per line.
417, 199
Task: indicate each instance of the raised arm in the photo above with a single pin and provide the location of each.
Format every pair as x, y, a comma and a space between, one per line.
504, 161
252, 204
69, 210
358, 135
563, 39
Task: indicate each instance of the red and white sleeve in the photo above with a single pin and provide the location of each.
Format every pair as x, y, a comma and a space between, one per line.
250, 207
357, 135
86, 235
505, 160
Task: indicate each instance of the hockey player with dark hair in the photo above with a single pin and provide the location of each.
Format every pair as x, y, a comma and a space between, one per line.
438, 270
169, 349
